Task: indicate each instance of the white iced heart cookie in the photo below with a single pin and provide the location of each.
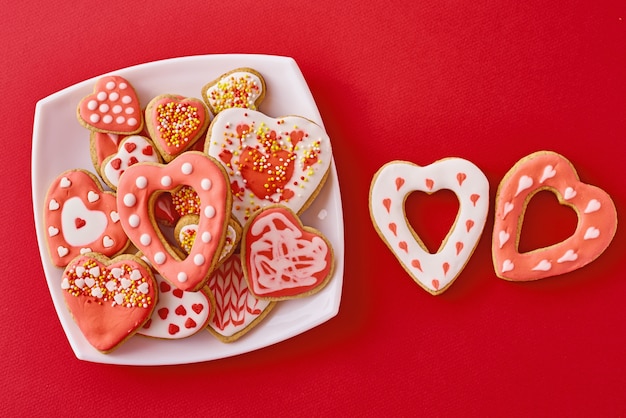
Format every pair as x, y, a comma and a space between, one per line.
269, 161
390, 187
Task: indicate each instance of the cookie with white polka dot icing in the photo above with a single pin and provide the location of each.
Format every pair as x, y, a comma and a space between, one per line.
113, 107
596, 226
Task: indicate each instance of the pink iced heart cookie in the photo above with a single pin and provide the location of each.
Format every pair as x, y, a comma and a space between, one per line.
236, 309
390, 187
268, 160
175, 123
597, 219
80, 217
241, 87
131, 150
282, 259
113, 107
140, 187
109, 299
178, 314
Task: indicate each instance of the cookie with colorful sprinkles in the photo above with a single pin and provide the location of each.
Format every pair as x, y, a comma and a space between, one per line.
241, 88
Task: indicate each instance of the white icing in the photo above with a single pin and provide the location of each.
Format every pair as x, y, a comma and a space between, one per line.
110, 85
53, 205
186, 168
569, 193
141, 182
52, 231
94, 226
508, 207
591, 233
503, 236
182, 277
65, 183
107, 242
166, 181
206, 237
92, 105
145, 239
113, 97
524, 183
569, 255
548, 173
93, 196
107, 119
159, 258
123, 157
94, 118
102, 96
127, 99
103, 108
209, 211
134, 220
130, 200
198, 259
593, 206
543, 265
507, 265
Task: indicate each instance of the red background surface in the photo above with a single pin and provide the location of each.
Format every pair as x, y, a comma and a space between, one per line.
487, 81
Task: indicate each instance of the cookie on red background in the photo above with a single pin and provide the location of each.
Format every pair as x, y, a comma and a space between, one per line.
596, 227
281, 258
242, 88
109, 299
113, 107
175, 123
237, 310
80, 217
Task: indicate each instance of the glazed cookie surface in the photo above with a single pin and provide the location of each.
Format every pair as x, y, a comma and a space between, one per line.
241, 88
389, 189
597, 219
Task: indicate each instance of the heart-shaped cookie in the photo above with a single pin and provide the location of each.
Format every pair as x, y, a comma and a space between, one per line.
108, 299
282, 259
236, 309
186, 231
80, 217
113, 107
241, 87
597, 219
178, 314
175, 123
390, 187
140, 187
131, 150
269, 161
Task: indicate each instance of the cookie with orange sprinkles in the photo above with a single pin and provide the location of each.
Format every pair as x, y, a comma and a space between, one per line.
242, 88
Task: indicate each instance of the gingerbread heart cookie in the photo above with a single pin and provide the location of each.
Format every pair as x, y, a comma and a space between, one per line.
175, 123
140, 187
108, 299
80, 217
186, 231
269, 161
113, 107
241, 87
390, 187
236, 309
131, 150
597, 219
282, 259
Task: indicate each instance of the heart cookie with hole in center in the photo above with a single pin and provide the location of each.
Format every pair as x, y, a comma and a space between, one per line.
137, 192
236, 309
269, 161
79, 217
175, 123
597, 219
389, 189
282, 259
113, 107
108, 299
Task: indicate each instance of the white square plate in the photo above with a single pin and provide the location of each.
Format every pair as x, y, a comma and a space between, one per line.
61, 143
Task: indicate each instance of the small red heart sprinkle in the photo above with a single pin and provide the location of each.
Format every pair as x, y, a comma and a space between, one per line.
163, 312
387, 204
429, 184
446, 267
403, 246
147, 324
416, 263
147, 150
129, 146
474, 198
164, 287
173, 329
459, 247
178, 293
116, 163
190, 323
460, 177
399, 183
469, 224
132, 160
393, 228
436, 284
79, 222
197, 307
181, 311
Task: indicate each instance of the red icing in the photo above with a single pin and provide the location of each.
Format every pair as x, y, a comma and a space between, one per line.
190, 323
173, 329
163, 313
180, 310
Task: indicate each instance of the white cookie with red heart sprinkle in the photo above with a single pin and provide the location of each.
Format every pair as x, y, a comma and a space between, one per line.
80, 217
113, 107
237, 311
595, 229
389, 189
282, 259
131, 150
269, 160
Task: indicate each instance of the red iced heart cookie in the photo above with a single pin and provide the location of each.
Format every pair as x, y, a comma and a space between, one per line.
175, 123
390, 187
80, 217
178, 315
131, 150
138, 189
282, 259
241, 87
597, 219
109, 299
113, 107
268, 160
236, 309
